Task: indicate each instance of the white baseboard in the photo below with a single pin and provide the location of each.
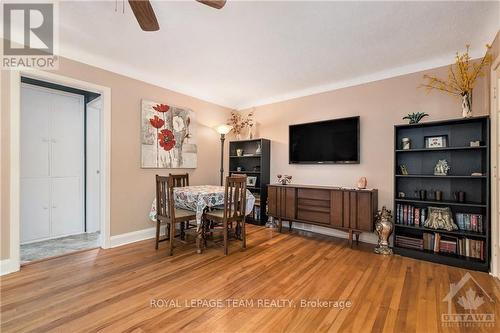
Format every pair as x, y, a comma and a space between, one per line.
363, 237
134, 236
8, 266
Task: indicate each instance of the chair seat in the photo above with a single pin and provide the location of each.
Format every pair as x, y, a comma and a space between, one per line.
215, 213
184, 214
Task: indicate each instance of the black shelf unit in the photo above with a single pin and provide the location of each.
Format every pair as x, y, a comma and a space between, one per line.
463, 161
256, 165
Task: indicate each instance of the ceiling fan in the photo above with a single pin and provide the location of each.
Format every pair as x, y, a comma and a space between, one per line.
146, 17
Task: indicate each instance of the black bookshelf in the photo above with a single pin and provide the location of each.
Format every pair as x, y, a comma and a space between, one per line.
463, 161
253, 165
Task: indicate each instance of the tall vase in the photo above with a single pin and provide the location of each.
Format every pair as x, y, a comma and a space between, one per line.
467, 104
384, 228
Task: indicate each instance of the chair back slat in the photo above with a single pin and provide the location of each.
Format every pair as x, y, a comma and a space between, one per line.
235, 197
180, 180
164, 197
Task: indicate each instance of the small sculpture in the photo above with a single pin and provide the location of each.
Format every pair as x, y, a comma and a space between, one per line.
441, 168
415, 117
284, 179
440, 218
405, 143
383, 227
362, 183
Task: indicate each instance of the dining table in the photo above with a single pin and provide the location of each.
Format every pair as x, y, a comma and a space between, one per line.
199, 198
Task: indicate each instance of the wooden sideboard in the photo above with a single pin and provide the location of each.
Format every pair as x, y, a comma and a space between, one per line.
350, 210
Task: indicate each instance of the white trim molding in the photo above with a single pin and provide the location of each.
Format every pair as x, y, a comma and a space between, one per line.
15, 93
135, 236
8, 266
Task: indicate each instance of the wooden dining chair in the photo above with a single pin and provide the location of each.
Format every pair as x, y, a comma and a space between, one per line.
167, 212
235, 200
182, 180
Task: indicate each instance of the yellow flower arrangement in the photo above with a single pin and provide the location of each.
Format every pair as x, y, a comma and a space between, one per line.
462, 76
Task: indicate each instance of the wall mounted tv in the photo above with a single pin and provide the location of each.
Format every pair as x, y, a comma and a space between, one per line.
325, 142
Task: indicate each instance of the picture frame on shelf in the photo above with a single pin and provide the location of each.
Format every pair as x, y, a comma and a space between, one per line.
251, 181
438, 141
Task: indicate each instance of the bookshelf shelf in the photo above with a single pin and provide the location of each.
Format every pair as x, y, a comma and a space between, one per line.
463, 161
441, 203
418, 150
444, 177
443, 258
444, 232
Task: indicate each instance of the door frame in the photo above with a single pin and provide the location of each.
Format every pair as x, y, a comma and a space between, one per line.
15, 111
495, 156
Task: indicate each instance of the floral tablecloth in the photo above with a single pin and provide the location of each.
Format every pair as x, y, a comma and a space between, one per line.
197, 198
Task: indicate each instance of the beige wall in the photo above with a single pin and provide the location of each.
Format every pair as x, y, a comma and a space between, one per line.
380, 105
132, 188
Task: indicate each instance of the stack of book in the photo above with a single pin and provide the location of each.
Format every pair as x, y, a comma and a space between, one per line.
439, 243
470, 222
409, 242
448, 244
410, 215
471, 248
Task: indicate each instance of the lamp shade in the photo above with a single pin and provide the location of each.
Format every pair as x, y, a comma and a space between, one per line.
223, 129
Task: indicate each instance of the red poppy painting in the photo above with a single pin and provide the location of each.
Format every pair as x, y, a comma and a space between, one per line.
168, 138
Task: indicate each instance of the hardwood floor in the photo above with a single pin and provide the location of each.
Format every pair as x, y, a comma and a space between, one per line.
112, 290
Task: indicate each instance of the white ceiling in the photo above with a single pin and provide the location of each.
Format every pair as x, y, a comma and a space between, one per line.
253, 53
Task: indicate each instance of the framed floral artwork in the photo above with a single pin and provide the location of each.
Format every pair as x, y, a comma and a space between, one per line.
168, 137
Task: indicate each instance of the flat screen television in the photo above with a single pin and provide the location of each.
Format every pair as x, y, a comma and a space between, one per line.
325, 142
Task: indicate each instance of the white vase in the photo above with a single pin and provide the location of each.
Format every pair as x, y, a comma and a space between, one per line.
467, 104
250, 132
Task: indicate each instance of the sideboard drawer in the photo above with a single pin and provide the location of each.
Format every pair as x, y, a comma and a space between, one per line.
313, 216
314, 194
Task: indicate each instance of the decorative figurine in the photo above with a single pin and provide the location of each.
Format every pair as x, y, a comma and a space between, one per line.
258, 151
440, 218
362, 183
441, 168
383, 227
284, 179
405, 143
415, 117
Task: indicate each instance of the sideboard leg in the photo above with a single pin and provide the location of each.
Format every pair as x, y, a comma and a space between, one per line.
350, 237
357, 238
290, 226
280, 224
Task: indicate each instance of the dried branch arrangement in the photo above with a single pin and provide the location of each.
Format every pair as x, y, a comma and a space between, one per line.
462, 74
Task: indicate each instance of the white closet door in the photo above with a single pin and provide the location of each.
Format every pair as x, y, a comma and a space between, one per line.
93, 182
66, 206
35, 210
35, 137
67, 135
52, 163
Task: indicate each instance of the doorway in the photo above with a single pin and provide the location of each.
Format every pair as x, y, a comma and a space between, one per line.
59, 170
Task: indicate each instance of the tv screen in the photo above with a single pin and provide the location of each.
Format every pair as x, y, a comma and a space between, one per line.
330, 141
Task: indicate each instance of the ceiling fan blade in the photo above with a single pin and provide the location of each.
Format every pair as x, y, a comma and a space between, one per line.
144, 14
217, 4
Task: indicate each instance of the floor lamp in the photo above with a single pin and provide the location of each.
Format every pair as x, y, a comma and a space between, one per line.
222, 130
